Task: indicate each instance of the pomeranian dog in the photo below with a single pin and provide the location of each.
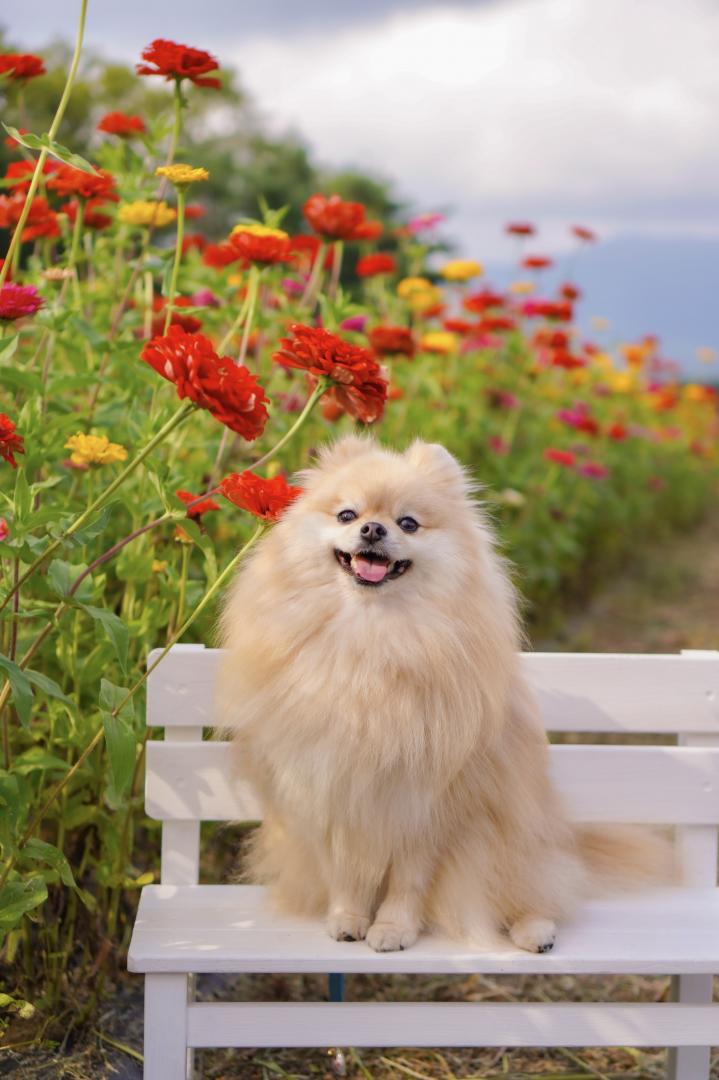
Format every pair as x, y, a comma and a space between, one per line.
371, 685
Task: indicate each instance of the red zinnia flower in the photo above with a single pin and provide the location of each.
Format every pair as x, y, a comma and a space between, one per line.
220, 255
359, 386
10, 442
16, 301
559, 310
266, 499
332, 217
179, 62
193, 240
20, 173
21, 65
68, 181
41, 221
119, 123
536, 262
379, 263
265, 249
492, 324
229, 392
559, 457
392, 341
520, 228
304, 248
618, 432
584, 234
458, 326
368, 230
190, 323
195, 512
562, 358
569, 292
481, 301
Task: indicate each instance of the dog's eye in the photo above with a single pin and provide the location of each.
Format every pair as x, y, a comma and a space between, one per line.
345, 516
408, 524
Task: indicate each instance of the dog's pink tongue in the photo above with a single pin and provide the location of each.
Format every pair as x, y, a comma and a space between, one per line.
369, 571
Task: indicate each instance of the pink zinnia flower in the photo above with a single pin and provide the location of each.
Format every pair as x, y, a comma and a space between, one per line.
17, 301
4, 531
423, 222
593, 470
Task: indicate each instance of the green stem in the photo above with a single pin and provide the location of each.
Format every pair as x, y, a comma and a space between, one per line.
253, 289
239, 320
181, 195
183, 582
338, 251
308, 296
39, 164
177, 418
75, 249
309, 406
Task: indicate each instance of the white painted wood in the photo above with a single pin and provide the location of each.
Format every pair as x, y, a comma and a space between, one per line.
639, 784
231, 928
166, 1056
691, 1062
180, 852
447, 1024
576, 691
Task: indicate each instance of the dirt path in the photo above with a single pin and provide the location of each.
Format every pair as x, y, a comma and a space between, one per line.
665, 600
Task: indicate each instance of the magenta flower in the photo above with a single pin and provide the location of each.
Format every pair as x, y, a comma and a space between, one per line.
593, 470
355, 322
424, 222
4, 531
16, 301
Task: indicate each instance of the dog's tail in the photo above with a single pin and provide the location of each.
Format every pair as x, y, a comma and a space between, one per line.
622, 857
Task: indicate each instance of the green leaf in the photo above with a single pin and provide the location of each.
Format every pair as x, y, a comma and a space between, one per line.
39, 851
94, 527
23, 496
19, 897
115, 629
54, 149
47, 685
7, 350
121, 749
36, 759
61, 577
21, 688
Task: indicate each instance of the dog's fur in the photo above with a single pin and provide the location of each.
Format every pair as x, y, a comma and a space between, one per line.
397, 752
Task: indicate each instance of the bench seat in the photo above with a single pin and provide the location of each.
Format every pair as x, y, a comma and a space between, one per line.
231, 929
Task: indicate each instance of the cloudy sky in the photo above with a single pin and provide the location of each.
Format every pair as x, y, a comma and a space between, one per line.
597, 112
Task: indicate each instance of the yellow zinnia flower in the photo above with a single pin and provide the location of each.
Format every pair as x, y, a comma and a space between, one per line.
409, 285
521, 288
181, 174
146, 212
438, 341
94, 450
260, 230
697, 393
424, 299
461, 270
159, 566
622, 382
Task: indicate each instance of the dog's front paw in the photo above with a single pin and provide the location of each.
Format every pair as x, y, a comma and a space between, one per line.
534, 934
344, 926
390, 937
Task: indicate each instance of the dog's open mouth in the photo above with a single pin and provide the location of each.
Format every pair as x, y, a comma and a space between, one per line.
371, 567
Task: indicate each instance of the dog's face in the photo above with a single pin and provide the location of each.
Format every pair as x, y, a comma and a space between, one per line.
377, 520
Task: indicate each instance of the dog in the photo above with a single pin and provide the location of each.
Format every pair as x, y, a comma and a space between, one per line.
372, 688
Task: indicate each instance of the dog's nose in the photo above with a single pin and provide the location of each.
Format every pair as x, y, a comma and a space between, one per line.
372, 531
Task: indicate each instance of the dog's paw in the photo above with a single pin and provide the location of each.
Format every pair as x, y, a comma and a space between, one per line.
344, 926
534, 934
391, 937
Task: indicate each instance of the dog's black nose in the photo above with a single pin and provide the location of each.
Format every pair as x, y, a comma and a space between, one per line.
372, 531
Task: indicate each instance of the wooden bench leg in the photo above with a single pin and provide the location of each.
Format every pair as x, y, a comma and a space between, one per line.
690, 1062
166, 1053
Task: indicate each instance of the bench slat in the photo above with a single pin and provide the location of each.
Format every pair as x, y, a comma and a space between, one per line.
232, 928
448, 1024
663, 785
576, 691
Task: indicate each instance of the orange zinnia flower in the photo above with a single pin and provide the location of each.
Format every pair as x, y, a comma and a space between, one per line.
179, 62
332, 217
359, 386
228, 391
68, 181
258, 244
392, 341
266, 499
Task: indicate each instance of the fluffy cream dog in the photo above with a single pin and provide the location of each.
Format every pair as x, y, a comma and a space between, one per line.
372, 687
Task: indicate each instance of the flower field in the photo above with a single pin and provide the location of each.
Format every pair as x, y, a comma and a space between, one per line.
159, 386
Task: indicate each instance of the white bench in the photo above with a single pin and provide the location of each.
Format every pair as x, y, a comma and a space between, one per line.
184, 928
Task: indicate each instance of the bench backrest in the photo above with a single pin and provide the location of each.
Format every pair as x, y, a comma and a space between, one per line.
189, 780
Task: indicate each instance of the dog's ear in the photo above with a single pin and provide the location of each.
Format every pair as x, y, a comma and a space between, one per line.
338, 453
436, 462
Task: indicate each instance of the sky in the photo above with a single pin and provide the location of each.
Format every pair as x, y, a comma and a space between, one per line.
595, 112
